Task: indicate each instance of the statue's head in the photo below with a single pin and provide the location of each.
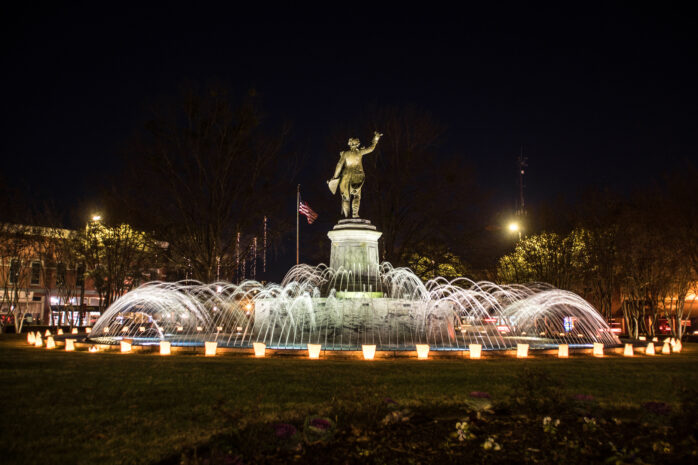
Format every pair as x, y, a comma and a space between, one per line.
353, 143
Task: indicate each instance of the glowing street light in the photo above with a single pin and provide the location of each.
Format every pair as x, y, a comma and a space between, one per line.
515, 228
96, 217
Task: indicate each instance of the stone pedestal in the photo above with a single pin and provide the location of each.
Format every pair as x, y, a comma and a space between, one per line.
354, 246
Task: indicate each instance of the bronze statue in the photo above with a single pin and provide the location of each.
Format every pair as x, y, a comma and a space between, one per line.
352, 175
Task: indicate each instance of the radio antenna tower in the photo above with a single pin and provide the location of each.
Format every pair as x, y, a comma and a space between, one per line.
522, 162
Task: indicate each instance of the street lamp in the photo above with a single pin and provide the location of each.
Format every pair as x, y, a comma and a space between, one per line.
514, 228
96, 217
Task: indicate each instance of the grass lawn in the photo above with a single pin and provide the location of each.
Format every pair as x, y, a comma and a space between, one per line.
60, 407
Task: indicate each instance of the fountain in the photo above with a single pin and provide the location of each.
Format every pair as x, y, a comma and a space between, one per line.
390, 308
354, 302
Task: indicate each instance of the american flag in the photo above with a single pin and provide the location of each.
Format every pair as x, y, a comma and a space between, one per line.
305, 209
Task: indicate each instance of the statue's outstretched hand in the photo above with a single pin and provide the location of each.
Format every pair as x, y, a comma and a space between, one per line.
377, 135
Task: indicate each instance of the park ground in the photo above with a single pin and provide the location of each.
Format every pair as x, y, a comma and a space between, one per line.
79, 407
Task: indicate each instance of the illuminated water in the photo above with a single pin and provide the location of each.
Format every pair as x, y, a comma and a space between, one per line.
392, 309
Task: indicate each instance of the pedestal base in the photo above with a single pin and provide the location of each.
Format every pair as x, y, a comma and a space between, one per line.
354, 247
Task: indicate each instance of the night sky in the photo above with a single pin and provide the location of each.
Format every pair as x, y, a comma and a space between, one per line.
596, 96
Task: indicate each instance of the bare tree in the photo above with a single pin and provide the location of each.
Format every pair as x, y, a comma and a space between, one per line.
204, 172
598, 215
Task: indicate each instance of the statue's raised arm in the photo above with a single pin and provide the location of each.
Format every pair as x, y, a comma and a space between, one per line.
352, 175
376, 137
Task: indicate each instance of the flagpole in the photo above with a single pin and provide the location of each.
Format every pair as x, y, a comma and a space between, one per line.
298, 224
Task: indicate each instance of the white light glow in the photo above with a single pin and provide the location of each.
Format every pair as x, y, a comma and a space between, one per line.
125, 347
314, 350
475, 351
422, 351
628, 351
31, 339
650, 348
598, 349
369, 351
165, 348
210, 348
563, 351
74, 331
521, 350
69, 345
260, 349
666, 348
50, 343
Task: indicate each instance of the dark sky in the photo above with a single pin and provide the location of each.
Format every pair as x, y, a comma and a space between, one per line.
596, 95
